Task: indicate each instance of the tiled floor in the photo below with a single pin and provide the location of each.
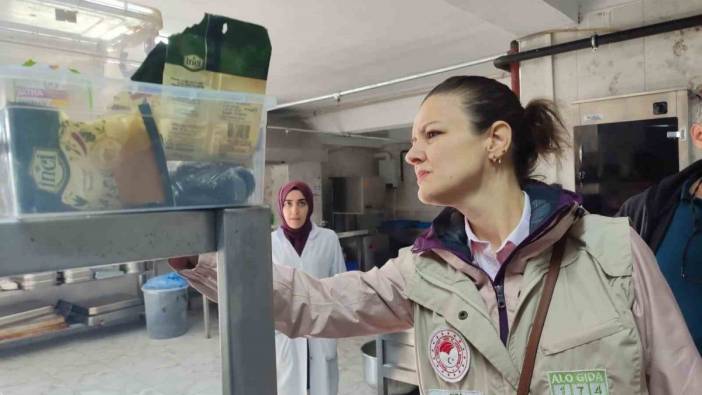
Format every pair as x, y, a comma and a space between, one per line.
125, 361
351, 381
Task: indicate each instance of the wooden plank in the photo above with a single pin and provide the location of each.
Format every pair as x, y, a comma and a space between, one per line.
33, 327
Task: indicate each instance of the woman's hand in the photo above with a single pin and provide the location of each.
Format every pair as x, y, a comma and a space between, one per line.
182, 263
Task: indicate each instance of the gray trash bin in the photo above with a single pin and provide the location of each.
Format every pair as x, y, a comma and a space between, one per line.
165, 303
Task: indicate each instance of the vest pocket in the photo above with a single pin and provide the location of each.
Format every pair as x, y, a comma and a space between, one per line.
572, 340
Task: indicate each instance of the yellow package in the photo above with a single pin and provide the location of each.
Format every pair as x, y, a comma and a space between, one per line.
219, 53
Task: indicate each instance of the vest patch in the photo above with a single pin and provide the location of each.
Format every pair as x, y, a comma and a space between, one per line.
454, 392
449, 354
579, 382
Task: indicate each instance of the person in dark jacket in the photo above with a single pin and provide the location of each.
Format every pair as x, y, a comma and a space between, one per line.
668, 216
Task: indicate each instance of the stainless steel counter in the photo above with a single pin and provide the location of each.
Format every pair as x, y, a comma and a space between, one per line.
352, 233
396, 359
357, 239
241, 238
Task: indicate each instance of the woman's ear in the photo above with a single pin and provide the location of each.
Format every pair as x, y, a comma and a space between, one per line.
696, 135
499, 140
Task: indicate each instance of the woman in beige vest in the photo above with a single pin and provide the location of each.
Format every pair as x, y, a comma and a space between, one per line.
472, 284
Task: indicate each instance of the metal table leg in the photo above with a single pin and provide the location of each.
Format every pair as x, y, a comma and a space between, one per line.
206, 315
382, 384
245, 302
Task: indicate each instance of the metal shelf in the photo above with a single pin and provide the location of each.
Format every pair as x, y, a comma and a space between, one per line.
241, 238
396, 359
59, 243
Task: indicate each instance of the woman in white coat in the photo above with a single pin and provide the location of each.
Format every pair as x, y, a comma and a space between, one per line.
316, 251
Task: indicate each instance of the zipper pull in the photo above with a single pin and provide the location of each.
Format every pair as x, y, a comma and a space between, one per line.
500, 291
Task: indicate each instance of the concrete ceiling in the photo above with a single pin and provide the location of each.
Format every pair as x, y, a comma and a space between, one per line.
321, 47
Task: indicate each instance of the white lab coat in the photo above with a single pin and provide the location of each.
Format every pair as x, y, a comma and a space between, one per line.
321, 257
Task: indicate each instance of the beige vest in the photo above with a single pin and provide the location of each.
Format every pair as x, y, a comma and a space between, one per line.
590, 343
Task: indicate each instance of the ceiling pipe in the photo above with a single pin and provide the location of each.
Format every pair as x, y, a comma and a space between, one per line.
287, 130
505, 62
337, 96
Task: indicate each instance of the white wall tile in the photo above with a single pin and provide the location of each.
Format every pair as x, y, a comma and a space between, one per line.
673, 59
657, 62
657, 10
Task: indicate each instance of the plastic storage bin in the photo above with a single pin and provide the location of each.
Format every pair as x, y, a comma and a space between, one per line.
99, 37
69, 143
165, 303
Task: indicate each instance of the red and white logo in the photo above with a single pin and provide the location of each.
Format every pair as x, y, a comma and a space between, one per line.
449, 354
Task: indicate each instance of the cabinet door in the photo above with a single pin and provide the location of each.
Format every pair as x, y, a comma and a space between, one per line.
615, 161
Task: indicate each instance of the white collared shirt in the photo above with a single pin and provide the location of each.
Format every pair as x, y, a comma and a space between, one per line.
491, 261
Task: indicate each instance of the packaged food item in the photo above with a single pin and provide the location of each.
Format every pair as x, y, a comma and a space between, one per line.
151, 69
50, 92
219, 53
62, 165
142, 175
202, 183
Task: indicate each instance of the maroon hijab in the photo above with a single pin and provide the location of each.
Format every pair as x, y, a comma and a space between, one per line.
297, 237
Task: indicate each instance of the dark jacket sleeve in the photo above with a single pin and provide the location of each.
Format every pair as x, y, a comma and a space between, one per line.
635, 209
652, 211
672, 362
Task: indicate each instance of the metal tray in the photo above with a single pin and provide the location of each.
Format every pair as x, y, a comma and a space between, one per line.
112, 303
24, 311
36, 277
114, 317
